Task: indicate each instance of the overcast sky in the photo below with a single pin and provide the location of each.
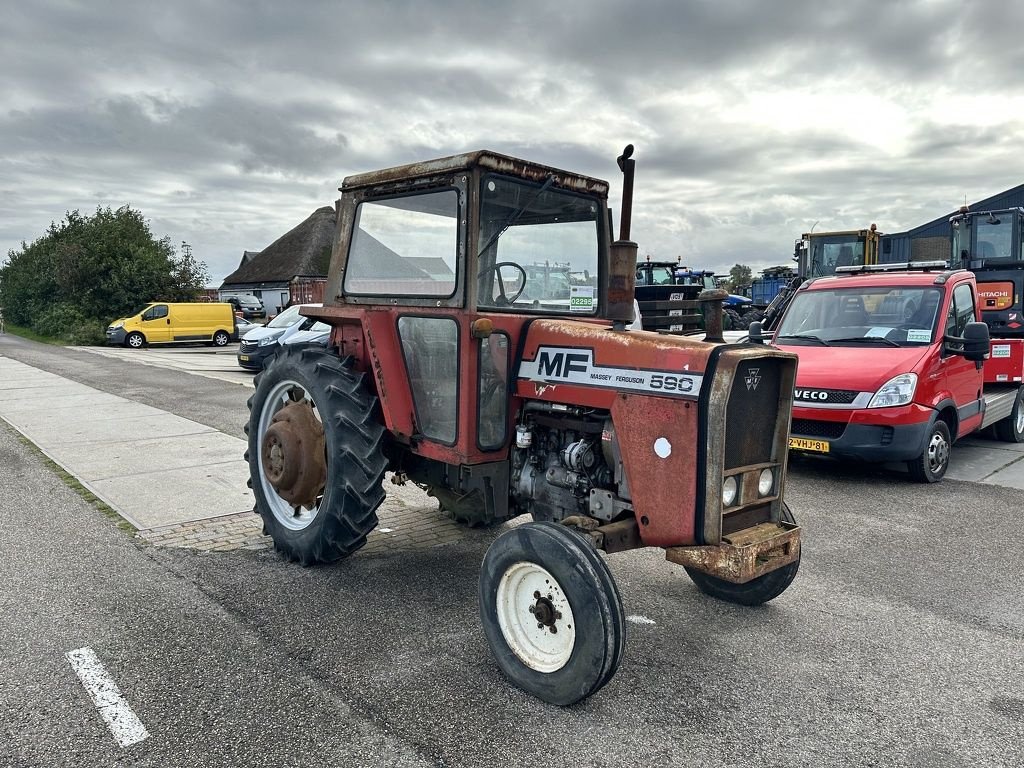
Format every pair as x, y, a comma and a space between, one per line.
228, 123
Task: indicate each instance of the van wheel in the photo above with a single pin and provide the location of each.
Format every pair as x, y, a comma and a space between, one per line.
135, 340
933, 462
221, 339
1011, 429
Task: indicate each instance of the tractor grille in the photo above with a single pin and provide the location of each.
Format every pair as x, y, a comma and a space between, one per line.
813, 428
752, 409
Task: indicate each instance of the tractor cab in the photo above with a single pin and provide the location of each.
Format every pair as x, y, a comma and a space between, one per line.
818, 254
989, 244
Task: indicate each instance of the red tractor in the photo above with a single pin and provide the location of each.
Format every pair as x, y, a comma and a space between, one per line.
442, 370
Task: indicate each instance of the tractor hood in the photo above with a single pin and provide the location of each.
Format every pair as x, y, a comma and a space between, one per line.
861, 368
597, 363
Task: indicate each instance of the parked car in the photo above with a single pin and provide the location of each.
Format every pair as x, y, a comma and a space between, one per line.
317, 333
169, 322
250, 306
260, 344
244, 326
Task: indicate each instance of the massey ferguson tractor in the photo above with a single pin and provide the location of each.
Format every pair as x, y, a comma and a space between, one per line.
442, 370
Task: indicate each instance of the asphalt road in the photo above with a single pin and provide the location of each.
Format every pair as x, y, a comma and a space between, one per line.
900, 643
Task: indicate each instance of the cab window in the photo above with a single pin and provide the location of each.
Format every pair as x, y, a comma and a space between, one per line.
405, 246
538, 248
155, 312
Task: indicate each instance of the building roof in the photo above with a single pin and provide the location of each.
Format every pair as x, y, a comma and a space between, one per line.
305, 250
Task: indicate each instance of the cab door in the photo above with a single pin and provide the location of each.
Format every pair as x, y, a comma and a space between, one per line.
962, 377
156, 324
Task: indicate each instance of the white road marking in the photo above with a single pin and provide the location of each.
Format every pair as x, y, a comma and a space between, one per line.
123, 723
637, 619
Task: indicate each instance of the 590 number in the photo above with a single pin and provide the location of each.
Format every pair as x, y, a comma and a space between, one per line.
670, 383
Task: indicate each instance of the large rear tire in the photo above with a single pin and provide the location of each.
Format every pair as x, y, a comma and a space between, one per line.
551, 612
341, 507
755, 592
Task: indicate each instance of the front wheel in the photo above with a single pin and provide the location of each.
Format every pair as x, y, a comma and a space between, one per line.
316, 456
1011, 429
931, 465
135, 340
551, 612
754, 592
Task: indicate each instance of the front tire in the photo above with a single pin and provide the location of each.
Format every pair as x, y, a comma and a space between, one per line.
551, 612
135, 340
931, 465
755, 592
1011, 429
339, 511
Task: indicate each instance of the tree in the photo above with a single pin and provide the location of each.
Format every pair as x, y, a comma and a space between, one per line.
740, 275
88, 270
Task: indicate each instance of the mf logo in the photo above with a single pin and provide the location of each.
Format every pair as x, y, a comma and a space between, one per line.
753, 378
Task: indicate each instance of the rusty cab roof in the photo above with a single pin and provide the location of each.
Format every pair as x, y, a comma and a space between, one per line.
485, 159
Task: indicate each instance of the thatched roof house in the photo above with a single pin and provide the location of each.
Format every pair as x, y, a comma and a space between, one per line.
305, 251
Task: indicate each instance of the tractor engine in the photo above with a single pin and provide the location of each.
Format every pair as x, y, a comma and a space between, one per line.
565, 462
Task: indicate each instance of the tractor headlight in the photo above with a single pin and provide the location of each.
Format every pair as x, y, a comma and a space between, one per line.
765, 482
899, 390
729, 489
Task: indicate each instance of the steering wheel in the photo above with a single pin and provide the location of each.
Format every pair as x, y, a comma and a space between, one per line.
502, 299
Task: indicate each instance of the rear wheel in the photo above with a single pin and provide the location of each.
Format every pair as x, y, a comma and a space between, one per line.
731, 320
551, 612
931, 465
315, 455
754, 592
221, 339
1011, 429
135, 340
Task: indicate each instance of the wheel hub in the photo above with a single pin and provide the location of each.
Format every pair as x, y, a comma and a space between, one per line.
545, 613
293, 457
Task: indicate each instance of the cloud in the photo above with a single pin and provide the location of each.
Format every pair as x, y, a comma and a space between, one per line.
228, 124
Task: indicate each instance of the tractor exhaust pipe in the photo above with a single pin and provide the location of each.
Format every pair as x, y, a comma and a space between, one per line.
622, 261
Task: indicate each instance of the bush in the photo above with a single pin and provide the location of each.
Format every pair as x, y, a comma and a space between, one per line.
82, 273
65, 322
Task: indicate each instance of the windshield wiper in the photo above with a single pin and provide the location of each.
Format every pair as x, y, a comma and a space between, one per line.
856, 339
806, 336
514, 216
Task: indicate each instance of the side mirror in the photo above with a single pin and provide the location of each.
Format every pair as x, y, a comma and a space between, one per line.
976, 342
754, 335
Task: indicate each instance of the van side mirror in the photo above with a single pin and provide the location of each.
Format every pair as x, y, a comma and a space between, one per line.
974, 345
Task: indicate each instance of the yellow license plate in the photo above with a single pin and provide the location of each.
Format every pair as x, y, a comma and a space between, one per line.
244, 358
803, 444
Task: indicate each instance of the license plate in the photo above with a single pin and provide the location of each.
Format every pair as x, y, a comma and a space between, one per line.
244, 358
676, 327
803, 444
675, 297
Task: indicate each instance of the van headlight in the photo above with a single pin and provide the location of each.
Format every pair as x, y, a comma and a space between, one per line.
115, 326
266, 341
899, 390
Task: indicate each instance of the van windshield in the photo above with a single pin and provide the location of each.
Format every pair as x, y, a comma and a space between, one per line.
286, 318
884, 316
